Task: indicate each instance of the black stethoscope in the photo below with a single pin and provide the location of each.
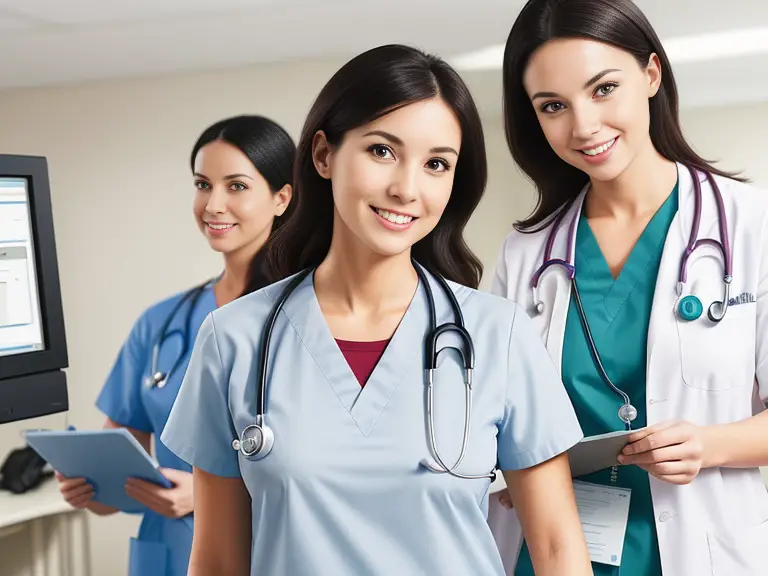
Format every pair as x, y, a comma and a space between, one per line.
256, 440
689, 307
157, 377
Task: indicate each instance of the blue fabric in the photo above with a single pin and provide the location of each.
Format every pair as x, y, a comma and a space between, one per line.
342, 491
128, 401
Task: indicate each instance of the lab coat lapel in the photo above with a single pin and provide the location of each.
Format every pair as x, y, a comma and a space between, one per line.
555, 284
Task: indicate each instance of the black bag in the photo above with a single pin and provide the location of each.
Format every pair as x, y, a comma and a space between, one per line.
23, 470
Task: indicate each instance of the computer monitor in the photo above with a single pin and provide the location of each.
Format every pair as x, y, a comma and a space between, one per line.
33, 348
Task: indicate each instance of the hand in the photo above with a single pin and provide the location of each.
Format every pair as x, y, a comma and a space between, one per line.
671, 451
174, 502
76, 491
505, 499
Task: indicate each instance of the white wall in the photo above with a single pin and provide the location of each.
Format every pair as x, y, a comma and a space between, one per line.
121, 192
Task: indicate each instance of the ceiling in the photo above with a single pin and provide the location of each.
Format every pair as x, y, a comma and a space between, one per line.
44, 42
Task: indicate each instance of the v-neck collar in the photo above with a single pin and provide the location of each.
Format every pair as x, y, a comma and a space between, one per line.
593, 272
366, 404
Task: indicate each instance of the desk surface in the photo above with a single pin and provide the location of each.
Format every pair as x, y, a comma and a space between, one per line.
45, 500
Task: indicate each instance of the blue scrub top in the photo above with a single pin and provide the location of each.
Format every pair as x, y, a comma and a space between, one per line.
342, 491
163, 544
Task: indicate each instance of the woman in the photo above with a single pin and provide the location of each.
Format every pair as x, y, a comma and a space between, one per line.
591, 117
389, 167
242, 175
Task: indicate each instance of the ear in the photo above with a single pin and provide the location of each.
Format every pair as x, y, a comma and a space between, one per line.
321, 154
653, 74
283, 198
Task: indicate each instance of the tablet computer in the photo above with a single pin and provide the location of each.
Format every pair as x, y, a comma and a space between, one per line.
106, 458
595, 453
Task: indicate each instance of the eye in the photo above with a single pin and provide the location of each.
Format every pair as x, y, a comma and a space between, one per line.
605, 89
381, 151
237, 186
202, 185
438, 165
552, 107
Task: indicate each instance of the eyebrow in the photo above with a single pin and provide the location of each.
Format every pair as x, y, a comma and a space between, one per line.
587, 84
397, 141
230, 177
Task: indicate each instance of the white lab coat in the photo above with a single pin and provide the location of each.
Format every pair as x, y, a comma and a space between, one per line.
696, 371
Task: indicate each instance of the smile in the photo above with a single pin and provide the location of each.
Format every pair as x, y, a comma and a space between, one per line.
219, 226
393, 217
600, 149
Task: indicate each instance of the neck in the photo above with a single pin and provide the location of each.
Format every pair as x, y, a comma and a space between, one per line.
640, 190
352, 279
234, 279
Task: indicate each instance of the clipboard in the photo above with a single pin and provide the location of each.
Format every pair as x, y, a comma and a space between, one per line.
106, 458
598, 452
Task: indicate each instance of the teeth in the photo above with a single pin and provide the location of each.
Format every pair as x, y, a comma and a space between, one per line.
599, 149
394, 218
220, 226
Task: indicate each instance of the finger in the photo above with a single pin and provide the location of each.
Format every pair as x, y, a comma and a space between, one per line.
175, 476
505, 500
69, 483
77, 491
149, 498
666, 454
669, 469
662, 439
647, 431
81, 501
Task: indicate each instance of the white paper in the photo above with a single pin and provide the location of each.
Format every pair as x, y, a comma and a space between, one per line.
604, 513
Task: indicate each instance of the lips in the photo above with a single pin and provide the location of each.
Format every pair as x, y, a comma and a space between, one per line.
393, 217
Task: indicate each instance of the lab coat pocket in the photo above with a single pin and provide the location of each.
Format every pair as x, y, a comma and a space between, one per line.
147, 558
718, 356
740, 552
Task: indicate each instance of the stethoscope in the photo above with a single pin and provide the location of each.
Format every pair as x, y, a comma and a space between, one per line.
688, 307
159, 378
256, 440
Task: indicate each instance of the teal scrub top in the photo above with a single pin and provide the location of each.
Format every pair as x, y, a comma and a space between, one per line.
618, 312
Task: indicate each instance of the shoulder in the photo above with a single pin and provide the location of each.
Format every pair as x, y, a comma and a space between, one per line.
745, 195
486, 309
152, 318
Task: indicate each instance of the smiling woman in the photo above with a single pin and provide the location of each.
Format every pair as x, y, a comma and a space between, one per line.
345, 477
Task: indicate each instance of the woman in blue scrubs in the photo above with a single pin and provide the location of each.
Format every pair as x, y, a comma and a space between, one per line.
390, 166
243, 187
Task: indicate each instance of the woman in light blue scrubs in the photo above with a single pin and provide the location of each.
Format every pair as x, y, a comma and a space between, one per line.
243, 186
390, 166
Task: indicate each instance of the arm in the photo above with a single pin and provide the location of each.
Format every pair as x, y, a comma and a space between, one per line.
221, 543
546, 507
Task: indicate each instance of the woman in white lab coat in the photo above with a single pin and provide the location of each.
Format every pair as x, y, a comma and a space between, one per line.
647, 334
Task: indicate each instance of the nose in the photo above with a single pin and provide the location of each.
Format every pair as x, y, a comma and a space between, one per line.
405, 184
586, 121
217, 201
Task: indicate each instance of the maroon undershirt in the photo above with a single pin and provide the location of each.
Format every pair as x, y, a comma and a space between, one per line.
362, 357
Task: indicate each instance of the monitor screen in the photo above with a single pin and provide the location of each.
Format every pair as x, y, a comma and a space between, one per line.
21, 329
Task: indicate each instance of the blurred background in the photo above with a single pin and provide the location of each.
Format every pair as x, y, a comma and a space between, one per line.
114, 93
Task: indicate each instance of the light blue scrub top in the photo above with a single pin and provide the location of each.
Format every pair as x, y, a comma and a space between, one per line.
342, 491
163, 544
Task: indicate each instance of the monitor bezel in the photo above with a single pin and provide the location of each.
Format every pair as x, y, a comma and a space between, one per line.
54, 356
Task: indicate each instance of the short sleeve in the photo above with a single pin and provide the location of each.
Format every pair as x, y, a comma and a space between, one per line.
199, 429
539, 422
120, 397
761, 334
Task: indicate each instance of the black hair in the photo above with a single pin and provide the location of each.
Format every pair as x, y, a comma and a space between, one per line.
272, 152
619, 23
368, 87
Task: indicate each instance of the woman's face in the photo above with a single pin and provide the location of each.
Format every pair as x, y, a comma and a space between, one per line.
392, 178
591, 100
234, 206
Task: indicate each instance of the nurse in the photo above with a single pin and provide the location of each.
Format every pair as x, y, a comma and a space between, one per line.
591, 118
390, 165
243, 185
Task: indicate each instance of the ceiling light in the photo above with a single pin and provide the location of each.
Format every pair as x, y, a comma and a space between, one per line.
694, 48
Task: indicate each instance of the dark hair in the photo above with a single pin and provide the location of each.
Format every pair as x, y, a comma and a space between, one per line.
619, 23
271, 151
368, 87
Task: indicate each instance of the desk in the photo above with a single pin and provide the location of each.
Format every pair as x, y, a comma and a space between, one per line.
58, 533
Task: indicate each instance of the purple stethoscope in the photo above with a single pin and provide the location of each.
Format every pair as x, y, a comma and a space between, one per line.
689, 307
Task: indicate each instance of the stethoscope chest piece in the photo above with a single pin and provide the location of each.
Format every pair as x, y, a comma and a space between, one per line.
255, 442
690, 308
627, 413
157, 380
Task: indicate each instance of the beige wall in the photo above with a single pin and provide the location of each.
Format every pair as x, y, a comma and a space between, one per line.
121, 188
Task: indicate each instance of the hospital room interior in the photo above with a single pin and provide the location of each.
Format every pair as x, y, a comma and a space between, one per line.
114, 94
